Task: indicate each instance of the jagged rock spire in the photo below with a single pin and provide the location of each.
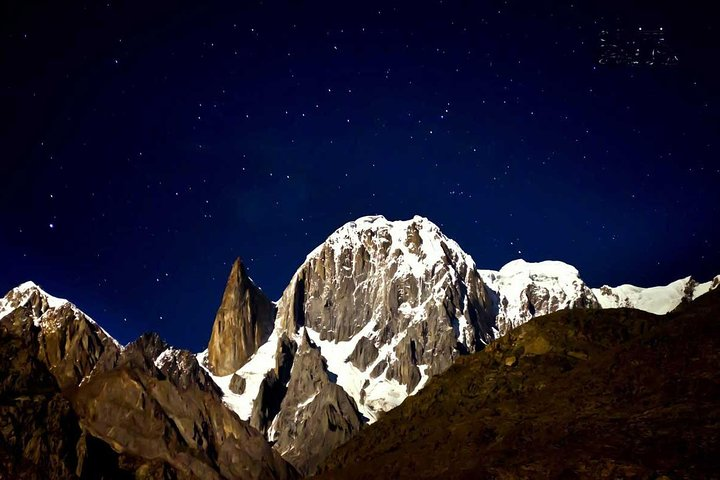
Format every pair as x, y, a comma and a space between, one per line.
243, 322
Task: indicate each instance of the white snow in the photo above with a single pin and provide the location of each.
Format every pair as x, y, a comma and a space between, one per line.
305, 403
658, 300
165, 357
381, 394
353, 234
253, 372
511, 282
21, 294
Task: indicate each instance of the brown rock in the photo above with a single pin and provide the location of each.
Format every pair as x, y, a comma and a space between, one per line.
316, 415
237, 384
148, 412
173, 413
243, 322
364, 354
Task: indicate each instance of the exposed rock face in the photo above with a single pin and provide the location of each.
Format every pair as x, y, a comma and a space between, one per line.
583, 394
388, 273
164, 406
243, 323
364, 353
274, 386
70, 344
399, 292
522, 290
237, 384
73, 404
40, 432
316, 415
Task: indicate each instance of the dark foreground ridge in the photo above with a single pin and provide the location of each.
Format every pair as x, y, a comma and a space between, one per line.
578, 394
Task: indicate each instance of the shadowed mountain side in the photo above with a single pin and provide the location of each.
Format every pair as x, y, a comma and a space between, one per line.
586, 394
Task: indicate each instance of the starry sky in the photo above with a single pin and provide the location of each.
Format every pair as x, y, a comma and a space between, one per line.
145, 145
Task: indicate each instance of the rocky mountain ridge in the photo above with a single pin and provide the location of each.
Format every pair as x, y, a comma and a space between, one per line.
75, 404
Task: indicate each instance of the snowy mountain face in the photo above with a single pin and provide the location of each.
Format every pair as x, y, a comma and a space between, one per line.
70, 342
657, 300
522, 290
41, 306
397, 298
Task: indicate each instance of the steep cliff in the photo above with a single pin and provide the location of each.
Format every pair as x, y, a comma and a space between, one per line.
243, 323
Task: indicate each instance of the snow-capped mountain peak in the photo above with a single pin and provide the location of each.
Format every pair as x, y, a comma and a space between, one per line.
523, 290
417, 243
43, 307
369, 317
30, 294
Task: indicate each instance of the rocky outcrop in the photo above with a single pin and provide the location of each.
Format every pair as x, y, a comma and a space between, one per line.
41, 436
69, 343
316, 415
243, 322
237, 384
400, 292
274, 386
364, 353
164, 406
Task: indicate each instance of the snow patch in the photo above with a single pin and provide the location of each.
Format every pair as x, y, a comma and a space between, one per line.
253, 372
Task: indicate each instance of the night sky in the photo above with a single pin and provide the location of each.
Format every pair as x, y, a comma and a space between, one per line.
145, 145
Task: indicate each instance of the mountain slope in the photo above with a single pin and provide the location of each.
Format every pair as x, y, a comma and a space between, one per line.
74, 404
576, 394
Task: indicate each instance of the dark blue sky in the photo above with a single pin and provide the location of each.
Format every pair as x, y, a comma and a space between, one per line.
147, 144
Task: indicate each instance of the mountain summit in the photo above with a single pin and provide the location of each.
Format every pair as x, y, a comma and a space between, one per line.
243, 323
